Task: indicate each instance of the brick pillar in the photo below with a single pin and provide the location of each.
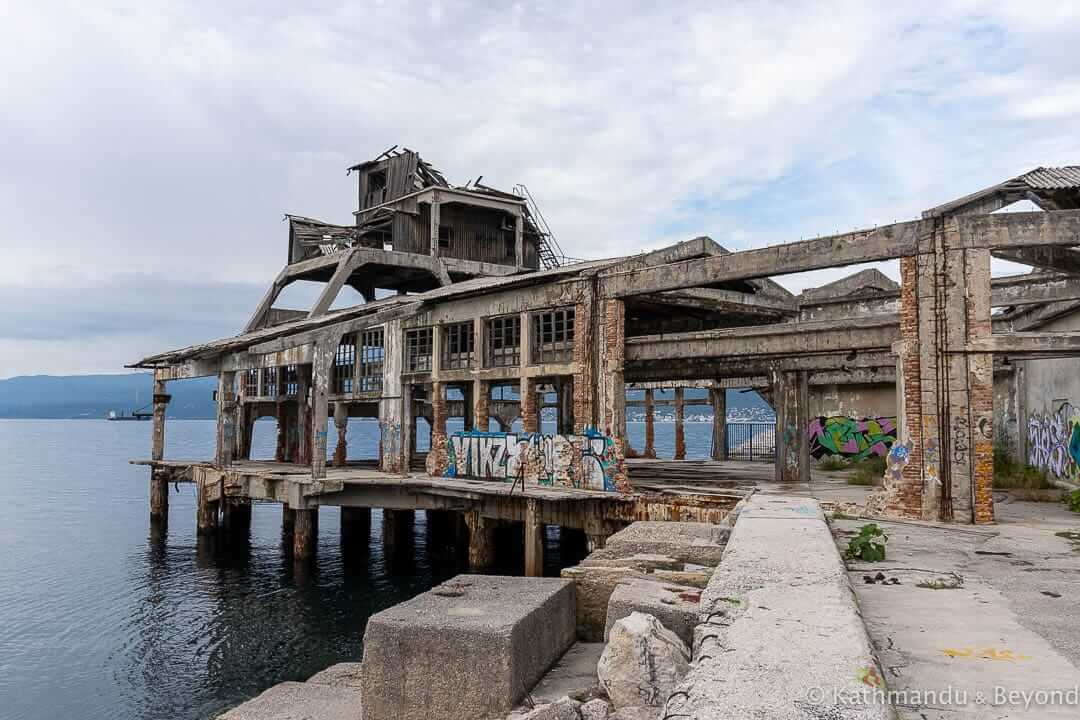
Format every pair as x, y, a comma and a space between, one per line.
529, 413
680, 429
791, 400
718, 400
650, 426
481, 542
341, 423
584, 368
481, 400
437, 458
611, 398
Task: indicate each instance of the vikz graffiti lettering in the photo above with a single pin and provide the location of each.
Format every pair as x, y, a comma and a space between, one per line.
1054, 442
585, 461
855, 439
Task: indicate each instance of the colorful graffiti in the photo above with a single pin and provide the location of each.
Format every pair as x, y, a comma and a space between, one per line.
855, 439
1054, 442
588, 461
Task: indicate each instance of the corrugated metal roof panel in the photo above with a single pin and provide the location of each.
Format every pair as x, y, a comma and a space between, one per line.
1063, 178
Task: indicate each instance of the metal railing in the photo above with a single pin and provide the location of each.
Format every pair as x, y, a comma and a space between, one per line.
754, 442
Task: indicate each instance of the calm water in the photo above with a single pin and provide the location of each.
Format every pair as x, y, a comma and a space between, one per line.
98, 619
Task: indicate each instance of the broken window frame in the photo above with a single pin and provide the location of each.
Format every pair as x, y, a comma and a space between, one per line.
503, 342
418, 342
552, 336
343, 371
458, 346
290, 380
372, 356
268, 386
251, 382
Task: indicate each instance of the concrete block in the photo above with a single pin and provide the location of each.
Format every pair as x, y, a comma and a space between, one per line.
676, 606
471, 647
300, 701
594, 587
627, 556
346, 674
687, 542
562, 709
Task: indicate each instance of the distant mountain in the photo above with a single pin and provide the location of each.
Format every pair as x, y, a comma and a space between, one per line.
93, 396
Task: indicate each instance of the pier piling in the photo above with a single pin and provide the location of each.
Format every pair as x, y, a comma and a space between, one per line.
481, 542
305, 532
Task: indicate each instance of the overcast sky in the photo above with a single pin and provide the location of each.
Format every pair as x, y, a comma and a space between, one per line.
149, 150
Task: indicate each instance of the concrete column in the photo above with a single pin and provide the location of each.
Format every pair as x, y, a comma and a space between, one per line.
305, 532
481, 542
585, 380
226, 419
303, 414
395, 407
718, 400
320, 387
161, 402
595, 541
206, 517
159, 495
481, 401
650, 426
534, 540
356, 522
564, 387
341, 423
397, 531
519, 239
792, 420
611, 398
435, 213
680, 430
281, 450
236, 515
288, 519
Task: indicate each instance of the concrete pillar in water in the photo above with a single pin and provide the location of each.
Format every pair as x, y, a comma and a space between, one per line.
718, 400
206, 518
680, 430
397, 529
791, 400
356, 522
481, 542
236, 515
341, 422
534, 540
159, 485
305, 532
287, 519
650, 426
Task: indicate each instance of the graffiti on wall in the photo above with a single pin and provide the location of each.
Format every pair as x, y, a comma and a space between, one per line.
1054, 442
851, 438
588, 461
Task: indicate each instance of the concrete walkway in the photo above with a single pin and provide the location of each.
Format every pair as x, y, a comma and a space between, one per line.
981, 611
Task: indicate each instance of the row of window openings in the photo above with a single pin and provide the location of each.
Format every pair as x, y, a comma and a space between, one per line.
359, 368
264, 382
552, 341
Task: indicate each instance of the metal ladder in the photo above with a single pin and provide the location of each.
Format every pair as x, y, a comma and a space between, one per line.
547, 248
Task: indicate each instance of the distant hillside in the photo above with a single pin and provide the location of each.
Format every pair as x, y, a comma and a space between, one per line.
93, 396
742, 406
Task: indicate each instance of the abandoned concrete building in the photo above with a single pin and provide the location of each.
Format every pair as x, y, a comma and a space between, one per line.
471, 312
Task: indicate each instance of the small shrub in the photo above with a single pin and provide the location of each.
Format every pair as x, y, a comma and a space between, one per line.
870, 471
832, 463
1072, 501
1011, 475
869, 544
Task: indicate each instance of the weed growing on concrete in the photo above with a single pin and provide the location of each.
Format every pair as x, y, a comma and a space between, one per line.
1072, 501
833, 463
868, 472
1011, 475
869, 544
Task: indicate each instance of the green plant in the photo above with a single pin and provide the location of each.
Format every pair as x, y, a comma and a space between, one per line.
832, 463
870, 471
1011, 475
869, 544
1072, 501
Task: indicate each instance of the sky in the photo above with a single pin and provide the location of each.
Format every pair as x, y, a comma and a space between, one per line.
149, 150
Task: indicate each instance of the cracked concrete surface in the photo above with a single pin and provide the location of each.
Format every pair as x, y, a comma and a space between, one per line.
1009, 625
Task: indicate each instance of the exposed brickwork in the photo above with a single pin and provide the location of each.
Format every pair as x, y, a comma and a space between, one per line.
584, 383
528, 406
612, 396
481, 405
437, 457
906, 487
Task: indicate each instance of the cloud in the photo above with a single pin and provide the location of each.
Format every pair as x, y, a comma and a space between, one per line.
166, 140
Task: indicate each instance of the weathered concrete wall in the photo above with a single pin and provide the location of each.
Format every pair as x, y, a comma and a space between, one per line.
580, 461
876, 400
781, 636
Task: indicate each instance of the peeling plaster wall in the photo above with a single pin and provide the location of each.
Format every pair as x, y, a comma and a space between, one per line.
877, 400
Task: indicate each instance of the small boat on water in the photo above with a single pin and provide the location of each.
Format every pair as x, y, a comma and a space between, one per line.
139, 414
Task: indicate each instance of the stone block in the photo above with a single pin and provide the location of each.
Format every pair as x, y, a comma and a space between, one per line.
594, 588
687, 542
625, 556
346, 674
677, 607
471, 647
300, 701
